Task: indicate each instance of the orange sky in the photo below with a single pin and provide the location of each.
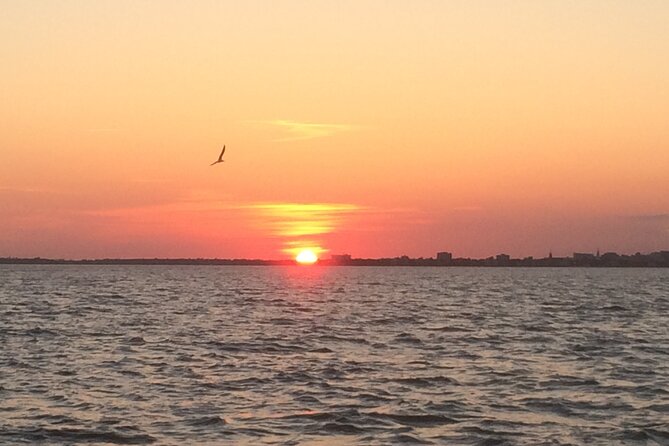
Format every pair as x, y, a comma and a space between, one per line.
375, 128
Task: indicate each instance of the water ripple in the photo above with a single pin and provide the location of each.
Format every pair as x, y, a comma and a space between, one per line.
373, 356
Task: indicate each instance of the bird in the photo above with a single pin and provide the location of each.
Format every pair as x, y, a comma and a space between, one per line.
220, 157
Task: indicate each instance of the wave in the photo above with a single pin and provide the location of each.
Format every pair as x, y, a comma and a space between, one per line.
425, 420
207, 421
77, 436
427, 381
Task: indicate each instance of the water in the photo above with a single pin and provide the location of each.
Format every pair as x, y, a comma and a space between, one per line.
309, 355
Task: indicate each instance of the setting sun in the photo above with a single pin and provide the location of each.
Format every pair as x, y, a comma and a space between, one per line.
306, 257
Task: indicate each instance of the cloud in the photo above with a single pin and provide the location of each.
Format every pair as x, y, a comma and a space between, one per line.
651, 217
302, 219
467, 209
103, 130
23, 190
301, 225
307, 130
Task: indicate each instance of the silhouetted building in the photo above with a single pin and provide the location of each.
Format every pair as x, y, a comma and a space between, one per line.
503, 259
444, 257
584, 259
527, 261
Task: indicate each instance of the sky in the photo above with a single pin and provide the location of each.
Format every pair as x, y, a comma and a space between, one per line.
373, 128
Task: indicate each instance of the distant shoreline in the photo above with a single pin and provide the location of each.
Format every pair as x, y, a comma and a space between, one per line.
658, 259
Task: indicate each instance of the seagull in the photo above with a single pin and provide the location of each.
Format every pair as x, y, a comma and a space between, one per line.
220, 157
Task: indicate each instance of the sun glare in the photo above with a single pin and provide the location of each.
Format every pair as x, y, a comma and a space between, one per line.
306, 257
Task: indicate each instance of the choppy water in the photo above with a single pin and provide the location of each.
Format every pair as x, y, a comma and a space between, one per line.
308, 355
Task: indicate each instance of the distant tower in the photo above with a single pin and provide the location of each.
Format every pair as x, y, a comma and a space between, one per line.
597, 252
550, 254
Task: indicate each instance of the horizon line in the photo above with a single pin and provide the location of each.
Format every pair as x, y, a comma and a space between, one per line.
654, 258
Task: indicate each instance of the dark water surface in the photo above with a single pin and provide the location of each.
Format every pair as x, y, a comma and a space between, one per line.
310, 355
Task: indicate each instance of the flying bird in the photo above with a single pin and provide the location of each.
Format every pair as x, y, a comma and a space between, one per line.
220, 157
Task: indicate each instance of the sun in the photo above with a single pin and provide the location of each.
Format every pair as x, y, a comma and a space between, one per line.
306, 257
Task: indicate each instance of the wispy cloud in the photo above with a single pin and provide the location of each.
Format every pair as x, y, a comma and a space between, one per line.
302, 225
651, 217
103, 130
26, 190
300, 219
472, 208
296, 130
